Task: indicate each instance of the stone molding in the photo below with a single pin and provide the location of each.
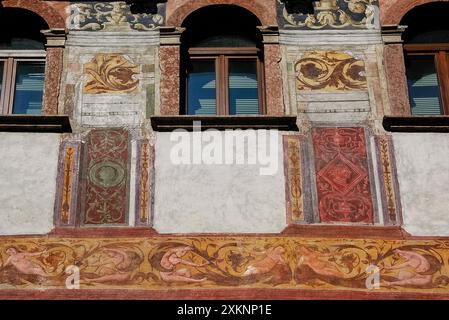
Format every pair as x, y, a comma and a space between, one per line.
327, 37
113, 39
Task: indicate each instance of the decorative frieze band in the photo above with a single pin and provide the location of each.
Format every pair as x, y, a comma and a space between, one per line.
195, 263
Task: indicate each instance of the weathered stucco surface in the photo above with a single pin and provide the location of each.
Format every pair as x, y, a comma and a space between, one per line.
27, 182
217, 198
423, 172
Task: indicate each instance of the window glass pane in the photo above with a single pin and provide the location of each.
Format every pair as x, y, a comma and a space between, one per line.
201, 84
21, 44
423, 85
243, 87
29, 87
1, 78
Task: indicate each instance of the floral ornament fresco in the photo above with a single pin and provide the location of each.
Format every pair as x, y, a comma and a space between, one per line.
293, 171
332, 14
342, 175
225, 262
110, 73
106, 177
330, 71
112, 16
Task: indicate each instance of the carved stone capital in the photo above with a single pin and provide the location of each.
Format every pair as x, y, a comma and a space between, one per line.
270, 34
55, 37
392, 34
170, 36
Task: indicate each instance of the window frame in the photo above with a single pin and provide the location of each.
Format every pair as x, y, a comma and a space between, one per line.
11, 58
222, 55
3, 85
440, 51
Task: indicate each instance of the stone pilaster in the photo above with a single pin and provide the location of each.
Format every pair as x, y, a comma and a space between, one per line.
169, 54
395, 70
53, 70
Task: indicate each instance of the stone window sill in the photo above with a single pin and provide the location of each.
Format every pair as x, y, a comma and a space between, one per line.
416, 124
27, 123
170, 123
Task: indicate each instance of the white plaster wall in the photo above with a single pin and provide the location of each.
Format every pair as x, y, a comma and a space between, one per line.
423, 171
28, 167
202, 198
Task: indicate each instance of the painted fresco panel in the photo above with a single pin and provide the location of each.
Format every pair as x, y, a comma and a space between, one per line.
342, 175
106, 177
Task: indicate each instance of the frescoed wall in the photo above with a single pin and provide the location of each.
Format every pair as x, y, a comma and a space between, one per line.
330, 186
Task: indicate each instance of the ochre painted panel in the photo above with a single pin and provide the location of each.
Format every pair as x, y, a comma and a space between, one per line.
110, 73
330, 71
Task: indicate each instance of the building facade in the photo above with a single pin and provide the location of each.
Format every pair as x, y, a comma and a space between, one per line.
224, 148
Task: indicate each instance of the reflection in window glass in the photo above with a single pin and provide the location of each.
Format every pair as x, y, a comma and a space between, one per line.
202, 92
423, 85
243, 87
29, 87
21, 44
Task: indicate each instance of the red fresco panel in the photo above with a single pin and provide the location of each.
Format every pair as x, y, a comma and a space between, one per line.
341, 166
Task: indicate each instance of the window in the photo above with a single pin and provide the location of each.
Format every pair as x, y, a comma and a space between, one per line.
428, 79
223, 66
22, 63
22, 85
427, 59
224, 81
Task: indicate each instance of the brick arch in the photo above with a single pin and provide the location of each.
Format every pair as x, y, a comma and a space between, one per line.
264, 12
51, 16
394, 13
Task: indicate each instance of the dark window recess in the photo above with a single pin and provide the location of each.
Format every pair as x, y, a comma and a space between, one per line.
22, 62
